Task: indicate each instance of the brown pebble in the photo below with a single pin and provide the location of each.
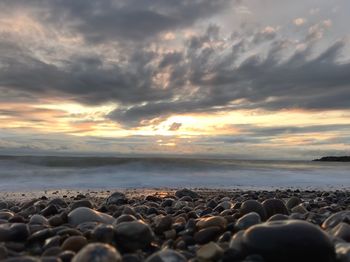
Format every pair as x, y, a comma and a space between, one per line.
74, 243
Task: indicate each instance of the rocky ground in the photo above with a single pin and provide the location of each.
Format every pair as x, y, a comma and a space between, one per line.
175, 226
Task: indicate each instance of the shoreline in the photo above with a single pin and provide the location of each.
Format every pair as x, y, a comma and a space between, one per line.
136, 192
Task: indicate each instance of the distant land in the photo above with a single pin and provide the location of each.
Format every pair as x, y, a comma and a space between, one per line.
334, 159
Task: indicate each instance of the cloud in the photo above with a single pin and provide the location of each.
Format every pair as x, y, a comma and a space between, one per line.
271, 82
299, 21
115, 52
263, 132
175, 126
108, 20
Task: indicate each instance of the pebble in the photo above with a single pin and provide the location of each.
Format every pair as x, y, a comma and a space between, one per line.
342, 231
292, 202
49, 210
209, 252
336, 218
58, 202
343, 252
253, 206
74, 243
288, 241
84, 214
214, 221
6, 215
103, 233
82, 203
39, 220
247, 221
125, 218
186, 192
274, 206
167, 255
299, 209
98, 252
52, 242
211, 226
278, 217
162, 224
13, 232
134, 235
66, 256
207, 234
117, 198
225, 205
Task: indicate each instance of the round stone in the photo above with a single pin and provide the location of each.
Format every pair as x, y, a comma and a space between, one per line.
209, 252
84, 214
167, 202
207, 234
342, 231
162, 224
58, 202
186, 198
86, 227
52, 242
49, 210
103, 233
6, 215
38, 220
336, 218
125, 218
214, 221
74, 243
82, 203
134, 235
66, 256
247, 221
288, 241
186, 192
56, 220
98, 252
225, 205
13, 232
166, 255
117, 198
343, 252
292, 202
278, 217
253, 206
299, 209
274, 206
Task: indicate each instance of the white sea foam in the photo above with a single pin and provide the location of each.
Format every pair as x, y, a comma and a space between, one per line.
39, 174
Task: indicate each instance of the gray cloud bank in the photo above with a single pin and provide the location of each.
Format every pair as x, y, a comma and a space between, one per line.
212, 69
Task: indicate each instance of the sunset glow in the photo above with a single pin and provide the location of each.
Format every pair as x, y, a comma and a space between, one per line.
237, 83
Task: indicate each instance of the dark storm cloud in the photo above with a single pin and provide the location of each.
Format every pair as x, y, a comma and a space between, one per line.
81, 79
100, 21
208, 72
299, 82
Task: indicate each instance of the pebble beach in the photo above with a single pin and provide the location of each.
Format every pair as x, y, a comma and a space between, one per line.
175, 225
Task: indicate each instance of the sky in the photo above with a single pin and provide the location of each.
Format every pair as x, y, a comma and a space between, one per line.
266, 79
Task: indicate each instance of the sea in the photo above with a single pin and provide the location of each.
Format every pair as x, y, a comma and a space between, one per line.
26, 173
